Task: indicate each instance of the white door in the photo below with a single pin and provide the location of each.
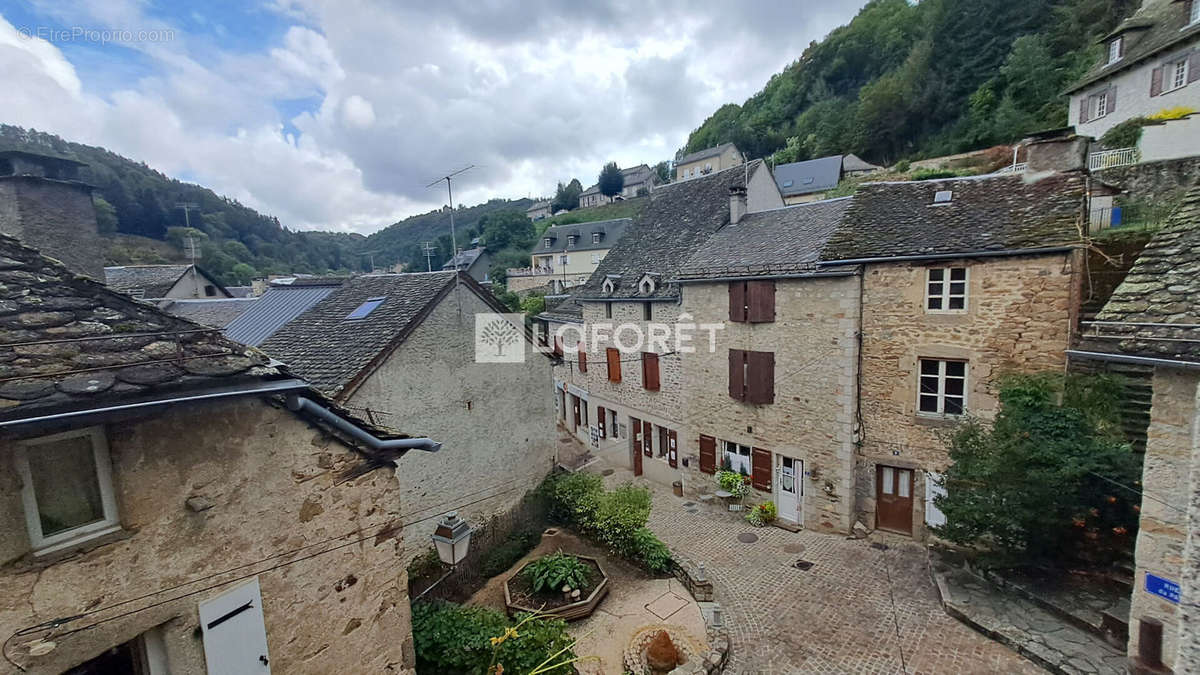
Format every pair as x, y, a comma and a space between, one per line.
789, 498
235, 638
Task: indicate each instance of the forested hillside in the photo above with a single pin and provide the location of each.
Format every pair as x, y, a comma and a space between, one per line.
924, 79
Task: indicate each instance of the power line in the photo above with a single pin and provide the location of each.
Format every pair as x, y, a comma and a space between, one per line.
887, 570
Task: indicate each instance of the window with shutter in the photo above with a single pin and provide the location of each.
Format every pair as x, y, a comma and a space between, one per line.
558, 347
1156, 81
647, 436
672, 448
760, 470
737, 374
600, 422
1083, 109
708, 454
1193, 67
1112, 101
582, 360
614, 364
650, 371
760, 377
761, 301
737, 301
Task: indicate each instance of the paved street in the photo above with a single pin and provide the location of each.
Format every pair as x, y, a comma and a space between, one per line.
840, 616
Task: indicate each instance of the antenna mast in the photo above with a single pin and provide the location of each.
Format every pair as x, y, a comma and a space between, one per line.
453, 237
428, 248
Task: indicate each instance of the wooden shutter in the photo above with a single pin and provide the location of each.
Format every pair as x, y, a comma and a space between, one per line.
650, 371
614, 364
558, 347
760, 373
647, 438
582, 360
737, 374
737, 301
1156, 77
1194, 63
1083, 108
601, 413
708, 454
761, 301
672, 448
760, 469
1112, 98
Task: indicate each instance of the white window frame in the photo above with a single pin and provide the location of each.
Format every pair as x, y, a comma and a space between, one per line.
595, 237
1098, 107
945, 295
595, 258
1175, 70
1193, 13
43, 545
1114, 49
941, 394
546, 242
571, 239
737, 461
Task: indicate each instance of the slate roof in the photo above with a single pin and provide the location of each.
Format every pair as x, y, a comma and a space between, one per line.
767, 243
814, 175
852, 162
1156, 26
679, 218
1162, 288
68, 343
565, 308
464, 259
211, 313
331, 351
634, 175
240, 291
559, 235
705, 153
986, 213
275, 308
155, 281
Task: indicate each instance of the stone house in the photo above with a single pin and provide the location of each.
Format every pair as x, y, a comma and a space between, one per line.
704, 162
1151, 320
539, 210
1151, 62
568, 254
401, 350
165, 511
639, 180
164, 282
962, 280
475, 262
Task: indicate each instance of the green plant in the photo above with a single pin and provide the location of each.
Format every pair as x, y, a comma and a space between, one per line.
733, 483
1178, 112
425, 564
616, 519
650, 551
902, 166
933, 174
761, 514
456, 640
502, 557
551, 572
1124, 134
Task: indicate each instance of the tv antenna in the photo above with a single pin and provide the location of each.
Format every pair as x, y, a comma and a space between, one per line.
371, 256
453, 238
191, 242
428, 248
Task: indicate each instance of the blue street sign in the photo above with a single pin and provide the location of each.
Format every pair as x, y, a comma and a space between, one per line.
1162, 588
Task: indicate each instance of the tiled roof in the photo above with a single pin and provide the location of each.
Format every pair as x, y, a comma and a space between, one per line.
634, 175
705, 153
679, 218
211, 313
767, 243
330, 350
986, 213
814, 175
854, 163
153, 280
565, 308
240, 291
559, 235
464, 259
68, 343
1162, 288
276, 307
1158, 25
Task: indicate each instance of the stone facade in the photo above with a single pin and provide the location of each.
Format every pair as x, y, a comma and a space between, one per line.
1153, 182
1171, 443
55, 217
1018, 318
250, 482
1187, 651
493, 419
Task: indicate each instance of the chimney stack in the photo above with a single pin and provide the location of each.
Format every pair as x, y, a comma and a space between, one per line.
737, 203
1066, 152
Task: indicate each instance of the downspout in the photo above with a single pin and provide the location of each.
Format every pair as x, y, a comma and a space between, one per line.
300, 404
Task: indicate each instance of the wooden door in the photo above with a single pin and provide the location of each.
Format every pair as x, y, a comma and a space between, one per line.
893, 499
575, 406
647, 438
635, 427
235, 637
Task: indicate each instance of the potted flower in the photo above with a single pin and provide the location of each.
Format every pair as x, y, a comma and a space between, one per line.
762, 514
732, 483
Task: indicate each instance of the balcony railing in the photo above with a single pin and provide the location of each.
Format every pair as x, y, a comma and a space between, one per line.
1108, 159
541, 270
1013, 168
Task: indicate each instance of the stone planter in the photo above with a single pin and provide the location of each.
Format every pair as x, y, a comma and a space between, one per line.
575, 610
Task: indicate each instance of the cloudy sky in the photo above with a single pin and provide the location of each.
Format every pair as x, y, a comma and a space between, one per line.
336, 114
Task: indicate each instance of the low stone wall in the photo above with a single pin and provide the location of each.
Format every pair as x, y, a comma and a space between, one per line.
689, 574
1153, 181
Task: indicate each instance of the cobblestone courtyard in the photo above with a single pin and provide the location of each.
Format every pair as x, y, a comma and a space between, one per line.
840, 616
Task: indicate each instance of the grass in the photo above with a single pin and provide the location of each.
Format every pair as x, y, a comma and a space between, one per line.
626, 209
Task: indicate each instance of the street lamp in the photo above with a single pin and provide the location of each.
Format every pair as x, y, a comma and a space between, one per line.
452, 538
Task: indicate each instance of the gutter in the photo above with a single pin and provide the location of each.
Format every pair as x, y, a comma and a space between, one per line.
799, 275
951, 256
299, 404
1129, 358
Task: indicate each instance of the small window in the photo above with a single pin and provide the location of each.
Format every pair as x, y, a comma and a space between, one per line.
546, 242
366, 308
1194, 12
1114, 50
737, 458
943, 196
1100, 104
571, 239
942, 387
946, 289
564, 259
1176, 75
647, 311
596, 237
595, 258
209, 290
66, 489
608, 310
788, 183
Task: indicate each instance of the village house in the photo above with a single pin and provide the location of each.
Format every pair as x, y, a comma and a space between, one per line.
707, 161
400, 349
640, 180
281, 303
214, 313
539, 210
810, 180
476, 262
1151, 320
174, 503
1151, 62
567, 254
164, 282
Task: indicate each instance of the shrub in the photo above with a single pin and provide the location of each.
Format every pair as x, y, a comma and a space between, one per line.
733, 483
573, 497
650, 551
1124, 134
455, 640
616, 519
550, 573
502, 557
1175, 113
933, 174
902, 166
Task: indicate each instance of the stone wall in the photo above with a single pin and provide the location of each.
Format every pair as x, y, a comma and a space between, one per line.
1153, 182
1018, 318
1187, 652
1162, 530
55, 217
272, 485
495, 420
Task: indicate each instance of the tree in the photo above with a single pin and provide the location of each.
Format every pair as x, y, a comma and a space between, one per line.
566, 197
106, 216
1043, 484
611, 180
242, 274
662, 171
506, 229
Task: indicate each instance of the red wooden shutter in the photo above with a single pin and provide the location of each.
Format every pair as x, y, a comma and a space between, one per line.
647, 436
558, 347
1112, 99
614, 364
1156, 77
760, 375
761, 301
635, 429
737, 301
582, 360
737, 374
708, 454
760, 469
650, 371
1194, 63
600, 414
672, 448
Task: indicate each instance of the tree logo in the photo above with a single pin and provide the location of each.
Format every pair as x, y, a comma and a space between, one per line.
498, 338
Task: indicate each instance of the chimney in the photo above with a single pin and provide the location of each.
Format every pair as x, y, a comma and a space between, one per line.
737, 203
1061, 153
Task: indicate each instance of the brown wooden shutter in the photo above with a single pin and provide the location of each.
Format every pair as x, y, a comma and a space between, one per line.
635, 430
558, 347
1156, 77
1112, 98
600, 415
737, 374
647, 436
760, 375
672, 448
708, 454
614, 364
761, 301
1083, 108
650, 371
582, 360
1120, 47
760, 469
737, 301
1194, 63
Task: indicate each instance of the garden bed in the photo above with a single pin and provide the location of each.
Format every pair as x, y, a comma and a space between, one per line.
519, 595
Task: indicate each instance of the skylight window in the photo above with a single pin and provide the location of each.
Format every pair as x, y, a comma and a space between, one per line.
366, 308
943, 196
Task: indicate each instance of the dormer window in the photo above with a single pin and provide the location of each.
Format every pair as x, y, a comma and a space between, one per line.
1116, 49
648, 284
571, 239
546, 242
787, 183
610, 283
596, 237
